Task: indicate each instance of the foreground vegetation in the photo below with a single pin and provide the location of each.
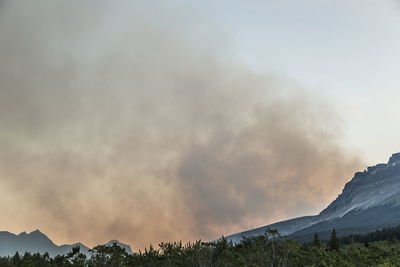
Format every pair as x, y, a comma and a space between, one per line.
270, 249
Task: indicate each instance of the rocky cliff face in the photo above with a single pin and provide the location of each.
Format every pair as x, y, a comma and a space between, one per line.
370, 200
378, 185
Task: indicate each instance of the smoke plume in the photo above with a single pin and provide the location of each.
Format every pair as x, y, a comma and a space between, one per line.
121, 120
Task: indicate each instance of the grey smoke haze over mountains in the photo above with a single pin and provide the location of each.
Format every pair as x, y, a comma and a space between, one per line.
116, 122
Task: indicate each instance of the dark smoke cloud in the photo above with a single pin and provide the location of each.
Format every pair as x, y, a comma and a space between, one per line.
117, 123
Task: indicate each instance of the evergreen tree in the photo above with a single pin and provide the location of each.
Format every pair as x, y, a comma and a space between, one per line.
334, 242
317, 243
16, 259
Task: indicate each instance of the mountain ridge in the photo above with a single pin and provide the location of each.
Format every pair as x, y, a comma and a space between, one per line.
369, 201
37, 242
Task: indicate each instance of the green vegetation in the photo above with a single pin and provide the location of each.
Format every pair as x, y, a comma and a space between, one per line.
270, 249
334, 242
391, 234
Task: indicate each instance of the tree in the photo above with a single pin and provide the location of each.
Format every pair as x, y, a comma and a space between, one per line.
334, 242
103, 255
75, 257
317, 242
16, 259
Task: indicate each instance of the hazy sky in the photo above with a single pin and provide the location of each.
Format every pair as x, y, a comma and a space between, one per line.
150, 121
344, 50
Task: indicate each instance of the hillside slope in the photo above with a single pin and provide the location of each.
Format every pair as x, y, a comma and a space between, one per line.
369, 201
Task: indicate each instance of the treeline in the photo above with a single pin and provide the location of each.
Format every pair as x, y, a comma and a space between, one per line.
391, 234
270, 249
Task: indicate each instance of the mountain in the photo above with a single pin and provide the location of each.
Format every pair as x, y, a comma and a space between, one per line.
36, 241
369, 201
284, 228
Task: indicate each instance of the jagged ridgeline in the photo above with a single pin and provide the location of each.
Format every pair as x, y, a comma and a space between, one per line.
37, 242
369, 201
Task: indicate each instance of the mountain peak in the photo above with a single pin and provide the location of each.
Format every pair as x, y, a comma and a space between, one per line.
394, 159
369, 201
37, 234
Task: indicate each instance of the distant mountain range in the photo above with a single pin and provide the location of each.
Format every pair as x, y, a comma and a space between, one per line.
370, 201
36, 241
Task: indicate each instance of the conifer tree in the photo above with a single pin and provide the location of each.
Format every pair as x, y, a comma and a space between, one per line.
334, 242
317, 242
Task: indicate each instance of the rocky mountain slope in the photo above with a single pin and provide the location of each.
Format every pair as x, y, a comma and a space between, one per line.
371, 200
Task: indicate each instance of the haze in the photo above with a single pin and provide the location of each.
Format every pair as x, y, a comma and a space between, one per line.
150, 121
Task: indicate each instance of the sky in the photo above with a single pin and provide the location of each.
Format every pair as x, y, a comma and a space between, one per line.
151, 121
